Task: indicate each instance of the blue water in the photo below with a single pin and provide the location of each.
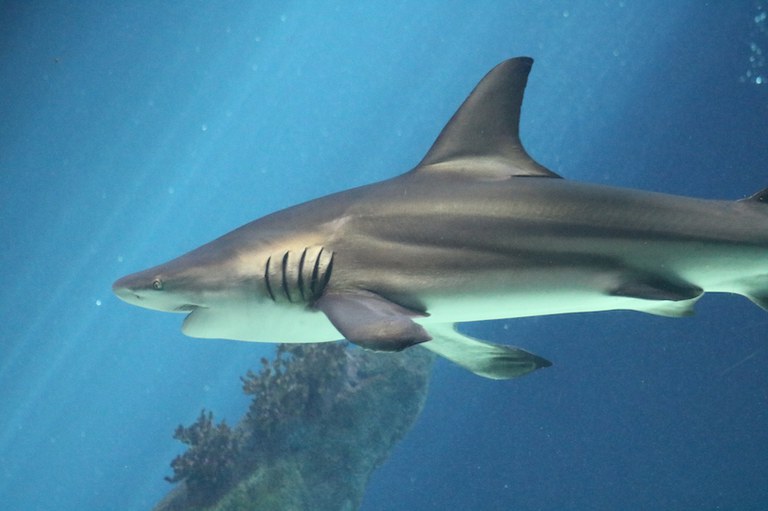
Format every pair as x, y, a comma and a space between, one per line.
131, 132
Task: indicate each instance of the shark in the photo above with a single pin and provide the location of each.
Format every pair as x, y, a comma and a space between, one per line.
477, 231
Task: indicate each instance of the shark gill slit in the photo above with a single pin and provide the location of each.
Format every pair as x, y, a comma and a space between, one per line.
326, 276
320, 277
266, 279
301, 275
285, 276
313, 280
296, 286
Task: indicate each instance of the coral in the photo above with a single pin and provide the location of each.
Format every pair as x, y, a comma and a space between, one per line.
302, 382
322, 417
208, 465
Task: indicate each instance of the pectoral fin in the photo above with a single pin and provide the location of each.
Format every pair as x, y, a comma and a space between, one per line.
375, 323
371, 321
495, 361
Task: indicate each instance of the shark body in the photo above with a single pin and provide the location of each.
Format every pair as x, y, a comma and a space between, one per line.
477, 231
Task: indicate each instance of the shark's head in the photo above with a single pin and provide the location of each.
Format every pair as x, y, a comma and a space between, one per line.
246, 291
199, 279
169, 287
147, 289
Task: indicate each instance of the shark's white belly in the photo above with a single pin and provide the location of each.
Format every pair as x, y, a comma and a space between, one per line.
296, 324
509, 294
498, 294
267, 322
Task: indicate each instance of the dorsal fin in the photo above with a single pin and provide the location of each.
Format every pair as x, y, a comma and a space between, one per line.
482, 138
761, 196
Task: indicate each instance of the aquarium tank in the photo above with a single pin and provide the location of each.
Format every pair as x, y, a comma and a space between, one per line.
134, 132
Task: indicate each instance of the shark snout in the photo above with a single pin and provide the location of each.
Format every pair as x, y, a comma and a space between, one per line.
123, 290
140, 289
148, 290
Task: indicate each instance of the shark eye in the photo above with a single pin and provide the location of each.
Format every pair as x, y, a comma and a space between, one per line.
157, 284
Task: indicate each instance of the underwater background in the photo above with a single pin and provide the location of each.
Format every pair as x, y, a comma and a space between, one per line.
131, 132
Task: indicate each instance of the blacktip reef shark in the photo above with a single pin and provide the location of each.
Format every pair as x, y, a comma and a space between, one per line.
478, 230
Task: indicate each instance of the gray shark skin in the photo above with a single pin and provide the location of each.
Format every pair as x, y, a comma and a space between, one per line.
476, 231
